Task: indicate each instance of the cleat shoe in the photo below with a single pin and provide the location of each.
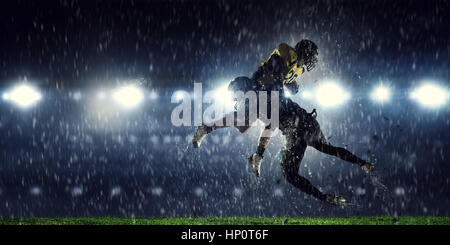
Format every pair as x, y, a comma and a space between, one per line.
334, 200
255, 161
367, 167
199, 135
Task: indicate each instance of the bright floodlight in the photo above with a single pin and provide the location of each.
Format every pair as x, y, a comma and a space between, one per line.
23, 95
128, 96
430, 95
224, 97
381, 94
179, 95
330, 94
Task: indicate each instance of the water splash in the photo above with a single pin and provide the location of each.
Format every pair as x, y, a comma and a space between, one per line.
385, 192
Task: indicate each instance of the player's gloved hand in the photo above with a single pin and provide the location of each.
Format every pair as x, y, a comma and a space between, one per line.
367, 167
255, 161
334, 200
313, 113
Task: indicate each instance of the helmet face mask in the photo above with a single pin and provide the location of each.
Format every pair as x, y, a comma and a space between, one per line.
311, 62
307, 54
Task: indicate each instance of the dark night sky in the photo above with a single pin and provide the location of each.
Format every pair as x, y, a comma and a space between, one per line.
176, 42
59, 159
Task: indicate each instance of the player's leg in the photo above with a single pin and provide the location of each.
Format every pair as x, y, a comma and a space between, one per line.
322, 145
263, 141
290, 164
242, 124
203, 130
316, 139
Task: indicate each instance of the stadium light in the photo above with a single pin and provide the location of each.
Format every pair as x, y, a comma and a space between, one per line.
128, 96
330, 94
23, 95
430, 95
381, 94
179, 95
224, 97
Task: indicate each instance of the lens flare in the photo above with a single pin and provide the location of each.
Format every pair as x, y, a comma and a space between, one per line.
381, 94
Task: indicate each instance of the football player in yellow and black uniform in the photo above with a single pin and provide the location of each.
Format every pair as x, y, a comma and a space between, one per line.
299, 127
279, 72
285, 65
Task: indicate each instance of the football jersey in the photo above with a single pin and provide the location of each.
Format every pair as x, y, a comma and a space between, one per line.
289, 56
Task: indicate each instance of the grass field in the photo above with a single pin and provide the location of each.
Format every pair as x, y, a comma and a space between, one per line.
380, 220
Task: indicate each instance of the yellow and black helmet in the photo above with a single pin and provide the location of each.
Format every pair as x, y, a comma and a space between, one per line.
307, 53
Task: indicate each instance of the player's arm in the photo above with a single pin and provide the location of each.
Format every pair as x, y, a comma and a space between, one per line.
274, 68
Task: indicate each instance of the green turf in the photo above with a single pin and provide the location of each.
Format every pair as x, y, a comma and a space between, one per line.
381, 220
